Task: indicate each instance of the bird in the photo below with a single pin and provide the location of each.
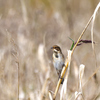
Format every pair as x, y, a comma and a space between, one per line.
58, 60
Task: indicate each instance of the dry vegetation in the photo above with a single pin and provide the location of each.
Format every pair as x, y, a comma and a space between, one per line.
28, 29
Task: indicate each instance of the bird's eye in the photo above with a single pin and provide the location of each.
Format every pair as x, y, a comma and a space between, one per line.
57, 48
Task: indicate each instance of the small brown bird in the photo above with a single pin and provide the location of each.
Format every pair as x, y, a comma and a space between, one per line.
58, 60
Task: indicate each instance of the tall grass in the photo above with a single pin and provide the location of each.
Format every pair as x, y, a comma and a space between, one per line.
28, 29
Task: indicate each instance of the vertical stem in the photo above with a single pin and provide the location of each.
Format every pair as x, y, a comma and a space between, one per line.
64, 68
60, 79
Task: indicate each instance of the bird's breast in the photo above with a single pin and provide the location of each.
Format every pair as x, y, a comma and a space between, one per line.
58, 63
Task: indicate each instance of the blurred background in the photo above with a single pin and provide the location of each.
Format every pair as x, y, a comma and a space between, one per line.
28, 29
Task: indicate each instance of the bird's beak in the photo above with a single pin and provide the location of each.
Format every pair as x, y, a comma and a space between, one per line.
51, 47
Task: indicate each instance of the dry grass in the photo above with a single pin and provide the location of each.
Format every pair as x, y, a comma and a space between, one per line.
27, 31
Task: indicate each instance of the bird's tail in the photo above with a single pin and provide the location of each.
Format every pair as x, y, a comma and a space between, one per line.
62, 81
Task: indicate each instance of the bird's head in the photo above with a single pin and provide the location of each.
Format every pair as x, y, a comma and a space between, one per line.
56, 49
